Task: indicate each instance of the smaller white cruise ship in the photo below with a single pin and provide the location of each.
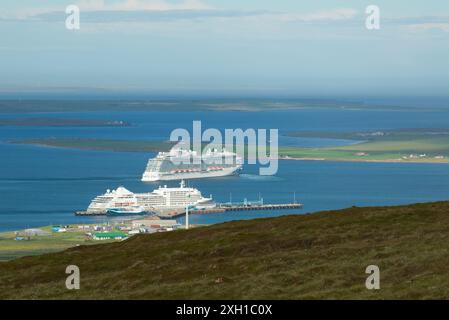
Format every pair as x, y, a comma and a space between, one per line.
124, 202
119, 200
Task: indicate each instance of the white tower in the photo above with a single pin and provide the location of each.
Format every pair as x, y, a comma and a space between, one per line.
187, 217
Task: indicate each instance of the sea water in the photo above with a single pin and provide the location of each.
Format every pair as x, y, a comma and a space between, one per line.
44, 185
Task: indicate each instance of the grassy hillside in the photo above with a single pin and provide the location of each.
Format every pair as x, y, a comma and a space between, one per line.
322, 255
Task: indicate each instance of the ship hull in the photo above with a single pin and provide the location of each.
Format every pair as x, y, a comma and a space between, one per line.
119, 213
191, 175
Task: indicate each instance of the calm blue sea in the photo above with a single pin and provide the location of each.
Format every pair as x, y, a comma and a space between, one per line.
42, 185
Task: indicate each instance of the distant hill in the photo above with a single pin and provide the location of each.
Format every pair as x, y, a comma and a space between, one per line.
183, 105
315, 256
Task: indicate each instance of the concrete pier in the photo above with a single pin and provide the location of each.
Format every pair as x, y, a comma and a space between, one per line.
220, 208
226, 208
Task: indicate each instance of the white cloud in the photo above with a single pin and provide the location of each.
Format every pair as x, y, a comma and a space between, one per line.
150, 11
136, 5
429, 26
333, 15
23, 13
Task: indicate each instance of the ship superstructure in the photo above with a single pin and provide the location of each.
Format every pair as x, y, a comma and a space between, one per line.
121, 198
179, 163
163, 197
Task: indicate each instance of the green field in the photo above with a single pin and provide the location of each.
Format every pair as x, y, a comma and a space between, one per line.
12, 249
316, 256
336, 154
379, 151
405, 145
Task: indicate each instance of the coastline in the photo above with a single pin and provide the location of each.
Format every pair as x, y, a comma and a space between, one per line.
286, 153
423, 161
155, 146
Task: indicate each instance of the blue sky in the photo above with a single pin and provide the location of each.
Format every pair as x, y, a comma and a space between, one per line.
247, 47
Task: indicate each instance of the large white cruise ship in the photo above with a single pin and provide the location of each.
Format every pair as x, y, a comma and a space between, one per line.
123, 200
178, 164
